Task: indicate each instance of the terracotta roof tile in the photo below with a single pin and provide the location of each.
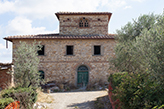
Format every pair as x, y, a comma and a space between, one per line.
84, 13
57, 36
79, 13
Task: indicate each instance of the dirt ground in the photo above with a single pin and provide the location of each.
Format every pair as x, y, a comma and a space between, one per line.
74, 100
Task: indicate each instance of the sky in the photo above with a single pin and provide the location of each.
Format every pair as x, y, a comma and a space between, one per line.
30, 17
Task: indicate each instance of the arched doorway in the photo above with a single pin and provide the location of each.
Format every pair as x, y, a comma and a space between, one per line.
82, 76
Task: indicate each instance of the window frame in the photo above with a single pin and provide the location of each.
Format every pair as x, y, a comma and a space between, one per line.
39, 54
95, 52
101, 50
72, 50
83, 22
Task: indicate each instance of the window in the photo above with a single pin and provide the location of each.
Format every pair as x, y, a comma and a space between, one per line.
69, 50
41, 51
86, 23
83, 22
41, 74
97, 50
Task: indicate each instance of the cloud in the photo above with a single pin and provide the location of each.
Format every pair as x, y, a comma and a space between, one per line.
127, 7
29, 10
2, 46
6, 6
112, 5
46, 8
1, 30
139, 0
22, 25
5, 54
40, 9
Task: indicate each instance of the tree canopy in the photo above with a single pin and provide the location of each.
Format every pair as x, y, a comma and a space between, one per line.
140, 45
140, 53
26, 65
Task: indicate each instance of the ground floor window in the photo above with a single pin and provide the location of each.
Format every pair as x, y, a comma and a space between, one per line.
41, 74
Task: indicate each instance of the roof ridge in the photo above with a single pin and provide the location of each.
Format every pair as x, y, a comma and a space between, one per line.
80, 12
84, 13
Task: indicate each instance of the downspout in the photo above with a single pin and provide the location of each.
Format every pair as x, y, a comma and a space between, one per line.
6, 44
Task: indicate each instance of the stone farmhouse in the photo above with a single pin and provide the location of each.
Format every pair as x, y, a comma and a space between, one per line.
79, 53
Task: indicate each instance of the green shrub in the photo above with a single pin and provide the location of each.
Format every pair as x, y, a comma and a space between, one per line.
160, 107
137, 91
5, 101
26, 96
116, 78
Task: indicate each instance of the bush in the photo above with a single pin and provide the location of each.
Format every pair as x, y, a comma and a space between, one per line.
26, 96
156, 107
137, 91
116, 78
5, 101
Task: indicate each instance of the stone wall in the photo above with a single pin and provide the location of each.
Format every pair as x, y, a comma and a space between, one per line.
61, 67
69, 24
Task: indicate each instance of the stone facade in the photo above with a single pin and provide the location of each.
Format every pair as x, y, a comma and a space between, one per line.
69, 25
60, 67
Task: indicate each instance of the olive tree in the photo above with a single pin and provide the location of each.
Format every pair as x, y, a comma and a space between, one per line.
140, 52
26, 64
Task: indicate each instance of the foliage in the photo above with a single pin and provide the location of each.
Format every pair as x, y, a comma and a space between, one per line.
140, 52
137, 91
160, 107
5, 101
26, 65
116, 78
138, 43
26, 96
26, 76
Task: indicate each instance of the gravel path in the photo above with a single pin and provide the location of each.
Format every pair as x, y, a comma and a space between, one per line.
75, 100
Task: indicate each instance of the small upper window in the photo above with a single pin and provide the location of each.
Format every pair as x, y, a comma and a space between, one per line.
83, 22
69, 50
41, 51
97, 50
86, 23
